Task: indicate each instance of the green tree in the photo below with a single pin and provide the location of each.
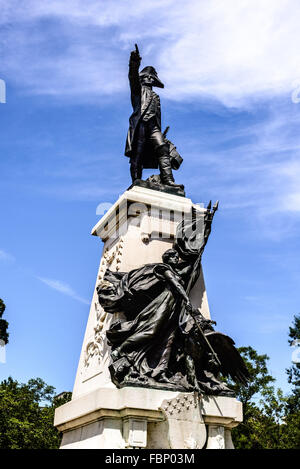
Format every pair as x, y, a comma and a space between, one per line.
3, 324
293, 372
291, 429
263, 407
259, 378
271, 420
290, 432
26, 415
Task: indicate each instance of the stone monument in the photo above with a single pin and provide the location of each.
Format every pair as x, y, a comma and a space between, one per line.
150, 366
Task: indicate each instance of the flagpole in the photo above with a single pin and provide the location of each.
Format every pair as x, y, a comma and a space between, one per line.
208, 218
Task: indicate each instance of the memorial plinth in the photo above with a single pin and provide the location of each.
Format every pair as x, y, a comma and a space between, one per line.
136, 231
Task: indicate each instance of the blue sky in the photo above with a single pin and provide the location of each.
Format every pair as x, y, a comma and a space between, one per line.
232, 75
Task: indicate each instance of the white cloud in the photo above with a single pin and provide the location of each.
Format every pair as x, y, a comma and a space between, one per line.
290, 172
233, 52
5, 256
63, 288
254, 169
57, 285
226, 50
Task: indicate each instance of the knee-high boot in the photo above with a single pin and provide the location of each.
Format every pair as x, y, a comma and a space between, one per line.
166, 174
135, 172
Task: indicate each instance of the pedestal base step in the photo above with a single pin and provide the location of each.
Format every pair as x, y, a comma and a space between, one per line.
147, 418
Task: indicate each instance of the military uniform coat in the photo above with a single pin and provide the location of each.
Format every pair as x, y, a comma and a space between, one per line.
146, 105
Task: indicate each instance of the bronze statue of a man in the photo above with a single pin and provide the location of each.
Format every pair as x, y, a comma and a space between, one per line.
146, 145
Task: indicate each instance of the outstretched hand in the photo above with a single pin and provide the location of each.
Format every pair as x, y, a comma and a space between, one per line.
135, 54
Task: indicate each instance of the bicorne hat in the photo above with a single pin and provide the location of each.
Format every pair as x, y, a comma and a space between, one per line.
151, 71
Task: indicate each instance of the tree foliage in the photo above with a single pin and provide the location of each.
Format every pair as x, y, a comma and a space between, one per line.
262, 407
27, 414
3, 324
271, 420
293, 404
259, 381
291, 434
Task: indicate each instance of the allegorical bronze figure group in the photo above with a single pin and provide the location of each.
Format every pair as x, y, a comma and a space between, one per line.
163, 342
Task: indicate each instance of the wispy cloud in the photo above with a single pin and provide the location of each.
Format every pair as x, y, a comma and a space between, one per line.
57, 285
230, 51
270, 324
236, 53
255, 168
5, 256
63, 288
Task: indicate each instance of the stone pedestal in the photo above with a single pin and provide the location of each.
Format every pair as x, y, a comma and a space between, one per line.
135, 231
147, 418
